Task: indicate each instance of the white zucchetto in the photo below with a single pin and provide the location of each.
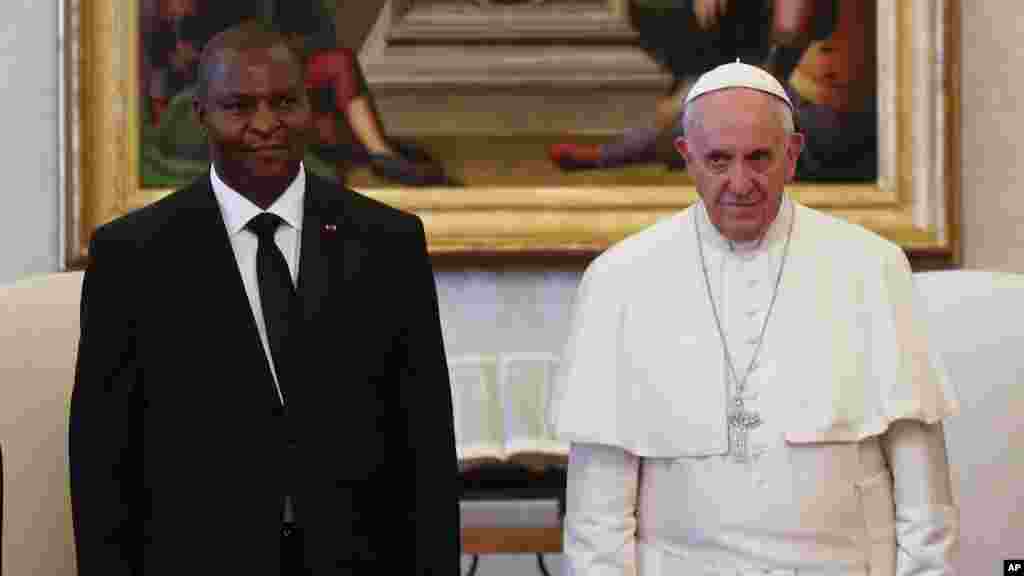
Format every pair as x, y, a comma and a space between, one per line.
737, 75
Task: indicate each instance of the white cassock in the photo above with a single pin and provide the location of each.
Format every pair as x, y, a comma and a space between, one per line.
847, 474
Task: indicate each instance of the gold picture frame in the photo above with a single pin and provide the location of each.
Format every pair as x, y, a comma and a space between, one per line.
915, 201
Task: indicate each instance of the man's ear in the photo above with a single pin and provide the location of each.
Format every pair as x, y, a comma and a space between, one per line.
199, 110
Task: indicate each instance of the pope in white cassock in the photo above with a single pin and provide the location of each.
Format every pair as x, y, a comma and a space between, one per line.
748, 387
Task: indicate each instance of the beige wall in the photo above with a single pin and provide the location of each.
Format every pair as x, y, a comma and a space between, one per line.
992, 85
29, 210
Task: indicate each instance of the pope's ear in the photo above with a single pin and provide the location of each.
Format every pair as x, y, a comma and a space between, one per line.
682, 146
794, 147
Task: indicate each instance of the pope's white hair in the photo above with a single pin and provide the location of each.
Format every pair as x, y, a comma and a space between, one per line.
785, 114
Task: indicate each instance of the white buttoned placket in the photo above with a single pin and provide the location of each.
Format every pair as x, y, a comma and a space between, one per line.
743, 278
745, 297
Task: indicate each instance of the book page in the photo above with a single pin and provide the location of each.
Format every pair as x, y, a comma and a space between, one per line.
475, 401
524, 382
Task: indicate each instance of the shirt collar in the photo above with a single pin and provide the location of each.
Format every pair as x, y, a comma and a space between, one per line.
776, 232
237, 210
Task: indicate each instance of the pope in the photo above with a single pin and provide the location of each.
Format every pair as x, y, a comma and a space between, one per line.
748, 385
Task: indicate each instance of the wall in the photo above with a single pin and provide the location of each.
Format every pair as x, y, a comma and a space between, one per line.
991, 109
29, 231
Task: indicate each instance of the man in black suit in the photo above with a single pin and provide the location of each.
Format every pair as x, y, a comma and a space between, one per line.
224, 421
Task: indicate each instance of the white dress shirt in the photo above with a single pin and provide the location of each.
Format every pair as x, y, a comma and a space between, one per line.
237, 211
877, 504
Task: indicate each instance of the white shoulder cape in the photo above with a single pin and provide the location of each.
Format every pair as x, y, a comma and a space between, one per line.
643, 368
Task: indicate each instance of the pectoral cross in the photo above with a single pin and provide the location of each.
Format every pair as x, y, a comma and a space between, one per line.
741, 422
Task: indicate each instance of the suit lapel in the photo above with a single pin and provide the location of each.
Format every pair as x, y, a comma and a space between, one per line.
330, 246
212, 260
318, 226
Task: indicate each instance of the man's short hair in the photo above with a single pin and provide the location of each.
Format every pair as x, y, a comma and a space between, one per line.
248, 35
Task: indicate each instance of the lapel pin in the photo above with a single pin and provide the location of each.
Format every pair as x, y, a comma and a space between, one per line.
330, 228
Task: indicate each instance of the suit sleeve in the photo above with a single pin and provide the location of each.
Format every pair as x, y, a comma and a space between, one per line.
433, 522
105, 427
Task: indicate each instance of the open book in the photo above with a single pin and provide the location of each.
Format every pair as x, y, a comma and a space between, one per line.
500, 405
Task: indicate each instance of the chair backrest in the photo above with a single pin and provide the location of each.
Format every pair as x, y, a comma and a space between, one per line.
976, 322
39, 330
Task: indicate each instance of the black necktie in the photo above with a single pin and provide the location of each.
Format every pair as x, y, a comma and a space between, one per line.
279, 301
277, 293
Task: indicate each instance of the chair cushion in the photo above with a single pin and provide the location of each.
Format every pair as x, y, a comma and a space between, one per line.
977, 325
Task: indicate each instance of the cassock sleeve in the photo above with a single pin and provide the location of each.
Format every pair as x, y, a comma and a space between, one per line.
927, 521
600, 515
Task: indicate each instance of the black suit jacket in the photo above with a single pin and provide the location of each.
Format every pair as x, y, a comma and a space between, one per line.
176, 453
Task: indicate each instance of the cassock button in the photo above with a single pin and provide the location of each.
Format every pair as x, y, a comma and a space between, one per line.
752, 282
753, 312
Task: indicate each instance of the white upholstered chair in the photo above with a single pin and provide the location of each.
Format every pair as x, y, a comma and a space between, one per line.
977, 324
39, 329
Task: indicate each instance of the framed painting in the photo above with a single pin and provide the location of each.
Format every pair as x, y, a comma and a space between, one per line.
488, 88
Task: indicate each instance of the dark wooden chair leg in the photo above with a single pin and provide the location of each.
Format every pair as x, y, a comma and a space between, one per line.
541, 565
